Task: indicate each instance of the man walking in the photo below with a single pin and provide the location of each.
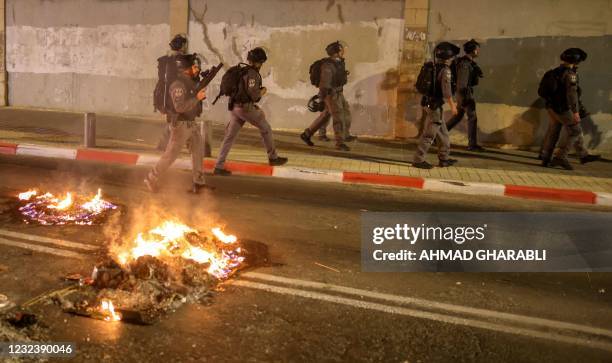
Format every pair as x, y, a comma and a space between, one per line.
468, 74
332, 78
243, 108
561, 91
439, 90
183, 128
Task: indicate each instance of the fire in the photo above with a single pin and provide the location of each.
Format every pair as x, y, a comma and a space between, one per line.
172, 240
49, 210
28, 195
63, 204
224, 237
108, 310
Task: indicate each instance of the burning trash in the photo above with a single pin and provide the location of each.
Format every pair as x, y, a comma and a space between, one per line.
157, 271
47, 209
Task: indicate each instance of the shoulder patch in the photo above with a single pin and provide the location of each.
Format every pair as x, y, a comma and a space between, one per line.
573, 78
447, 72
251, 82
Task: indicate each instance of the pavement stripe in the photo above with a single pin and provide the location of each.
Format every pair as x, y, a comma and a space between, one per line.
46, 151
564, 195
396, 180
58, 242
107, 156
432, 304
455, 186
591, 343
604, 199
37, 248
8, 148
148, 160
294, 172
249, 168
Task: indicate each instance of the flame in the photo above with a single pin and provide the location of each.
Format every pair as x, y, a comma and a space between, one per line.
169, 241
108, 309
225, 238
28, 195
46, 209
63, 204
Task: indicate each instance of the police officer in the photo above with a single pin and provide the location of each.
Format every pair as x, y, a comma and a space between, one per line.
332, 80
183, 127
564, 111
243, 108
468, 73
434, 127
178, 45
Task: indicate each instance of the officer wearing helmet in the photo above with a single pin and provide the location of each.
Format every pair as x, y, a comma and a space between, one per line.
564, 109
468, 74
183, 128
332, 79
244, 109
435, 128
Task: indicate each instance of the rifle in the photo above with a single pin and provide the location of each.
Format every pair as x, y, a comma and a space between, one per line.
207, 76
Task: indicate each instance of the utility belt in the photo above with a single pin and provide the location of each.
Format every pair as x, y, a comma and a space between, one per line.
432, 102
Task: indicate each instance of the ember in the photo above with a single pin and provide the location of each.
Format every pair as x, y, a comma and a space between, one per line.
47, 209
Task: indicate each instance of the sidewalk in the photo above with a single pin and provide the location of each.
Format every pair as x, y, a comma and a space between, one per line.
371, 156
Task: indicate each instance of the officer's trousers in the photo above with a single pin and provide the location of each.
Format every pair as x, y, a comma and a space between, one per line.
434, 129
181, 132
320, 123
572, 136
252, 114
467, 107
340, 111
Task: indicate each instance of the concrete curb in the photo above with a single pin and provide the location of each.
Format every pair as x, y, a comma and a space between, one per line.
293, 172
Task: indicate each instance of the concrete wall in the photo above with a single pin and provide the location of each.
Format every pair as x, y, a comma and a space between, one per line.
521, 39
295, 34
85, 55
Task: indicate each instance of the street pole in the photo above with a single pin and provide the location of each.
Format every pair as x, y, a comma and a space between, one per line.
89, 135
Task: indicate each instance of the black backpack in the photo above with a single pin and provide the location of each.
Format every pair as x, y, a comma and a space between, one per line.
425, 83
230, 81
166, 74
550, 84
315, 71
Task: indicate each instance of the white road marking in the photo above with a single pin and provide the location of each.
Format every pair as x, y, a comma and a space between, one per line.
433, 304
591, 343
59, 242
43, 249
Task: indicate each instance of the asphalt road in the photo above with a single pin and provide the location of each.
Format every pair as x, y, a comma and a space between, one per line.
283, 312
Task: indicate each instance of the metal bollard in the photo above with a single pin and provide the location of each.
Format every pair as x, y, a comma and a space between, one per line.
89, 135
205, 134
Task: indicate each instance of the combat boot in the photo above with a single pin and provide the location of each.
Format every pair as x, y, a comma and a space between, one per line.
564, 163
423, 165
278, 161
342, 147
222, 172
305, 136
447, 163
589, 158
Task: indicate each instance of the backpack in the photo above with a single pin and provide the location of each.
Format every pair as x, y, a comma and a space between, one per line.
230, 81
453, 67
425, 83
315, 71
166, 74
550, 84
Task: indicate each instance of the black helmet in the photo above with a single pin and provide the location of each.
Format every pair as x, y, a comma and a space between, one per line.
333, 48
257, 55
184, 61
446, 50
315, 104
470, 46
178, 42
573, 55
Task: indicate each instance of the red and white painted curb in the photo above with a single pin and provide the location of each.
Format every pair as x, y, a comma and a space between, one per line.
294, 172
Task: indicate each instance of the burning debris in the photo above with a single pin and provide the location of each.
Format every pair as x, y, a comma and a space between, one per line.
47, 209
157, 271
